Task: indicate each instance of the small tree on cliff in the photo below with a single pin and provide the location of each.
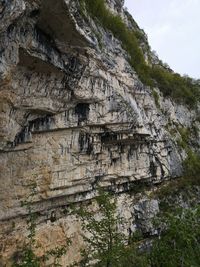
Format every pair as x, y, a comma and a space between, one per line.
106, 246
104, 242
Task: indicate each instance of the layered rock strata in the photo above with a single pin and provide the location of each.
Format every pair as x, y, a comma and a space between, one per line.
74, 116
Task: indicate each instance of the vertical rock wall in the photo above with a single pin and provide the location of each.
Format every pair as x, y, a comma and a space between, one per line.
74, 116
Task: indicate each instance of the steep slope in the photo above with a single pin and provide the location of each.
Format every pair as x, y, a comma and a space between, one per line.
75, 116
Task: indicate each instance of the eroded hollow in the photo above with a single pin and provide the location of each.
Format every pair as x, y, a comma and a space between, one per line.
54, 20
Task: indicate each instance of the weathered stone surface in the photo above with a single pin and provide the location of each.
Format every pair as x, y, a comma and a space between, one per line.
74, 116
146, 210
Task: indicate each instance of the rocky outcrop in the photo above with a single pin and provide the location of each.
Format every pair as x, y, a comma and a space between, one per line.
74, 116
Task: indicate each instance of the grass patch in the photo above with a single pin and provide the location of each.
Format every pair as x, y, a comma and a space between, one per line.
185, 134
191, 166
181, 89
156, 98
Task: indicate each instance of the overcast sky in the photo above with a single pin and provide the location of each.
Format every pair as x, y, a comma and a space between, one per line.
173, 29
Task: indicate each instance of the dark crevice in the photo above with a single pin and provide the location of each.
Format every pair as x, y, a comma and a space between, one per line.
39, 124
108, 137
82, 111
153, 169
85, 143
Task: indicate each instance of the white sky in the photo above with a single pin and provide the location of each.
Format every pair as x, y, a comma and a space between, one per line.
173, 29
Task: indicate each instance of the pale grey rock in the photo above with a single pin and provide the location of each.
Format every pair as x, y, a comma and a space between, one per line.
103, 121
75, 116
145, 211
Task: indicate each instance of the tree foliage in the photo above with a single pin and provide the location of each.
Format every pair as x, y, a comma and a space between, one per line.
179, 242
191, 165
104, 241
106, 245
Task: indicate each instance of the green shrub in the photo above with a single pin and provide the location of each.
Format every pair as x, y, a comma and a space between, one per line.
181, 89
191, 166
156, 98
184, 132
106, 245
179, 243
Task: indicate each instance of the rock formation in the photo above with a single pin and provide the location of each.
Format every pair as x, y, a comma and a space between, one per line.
74, 116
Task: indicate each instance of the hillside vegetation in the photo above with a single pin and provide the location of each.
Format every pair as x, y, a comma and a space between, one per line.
182, 89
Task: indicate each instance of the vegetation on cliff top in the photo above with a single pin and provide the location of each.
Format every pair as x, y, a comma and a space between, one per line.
182, 89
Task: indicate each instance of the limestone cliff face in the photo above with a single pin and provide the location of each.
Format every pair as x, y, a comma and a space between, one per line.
74, 116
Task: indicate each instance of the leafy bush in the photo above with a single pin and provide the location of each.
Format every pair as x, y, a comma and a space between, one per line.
191, 166
27, 259
185, 137
106, 245
156, 98
182, 89
179, 243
